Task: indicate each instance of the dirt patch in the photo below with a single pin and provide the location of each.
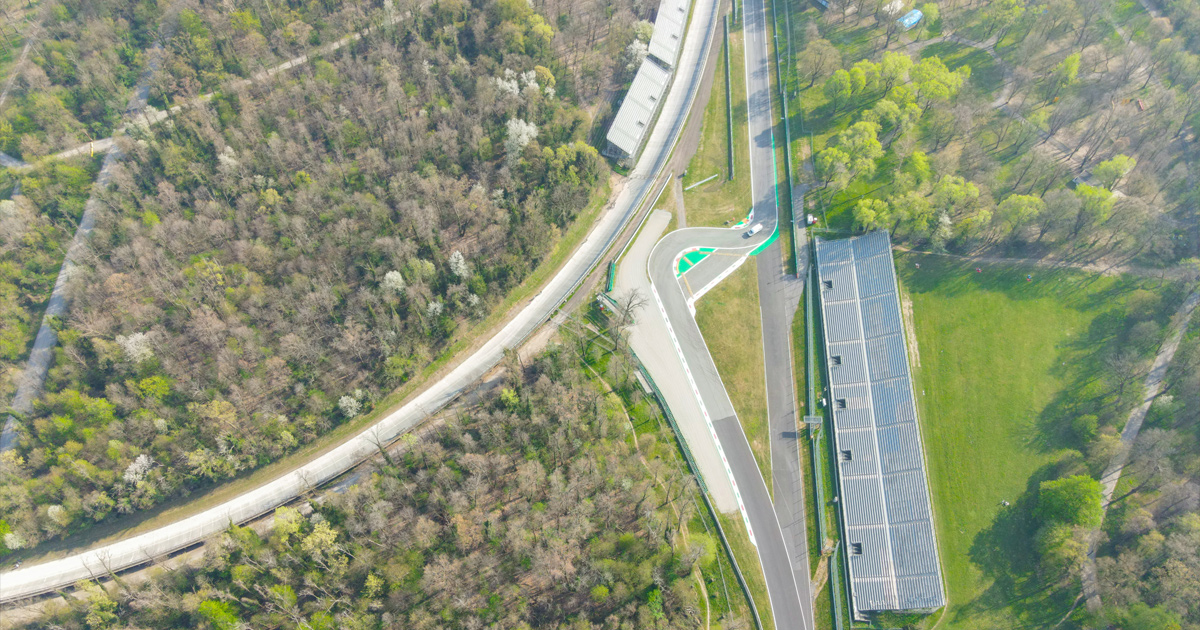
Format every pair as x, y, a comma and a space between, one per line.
822, 575
910, 329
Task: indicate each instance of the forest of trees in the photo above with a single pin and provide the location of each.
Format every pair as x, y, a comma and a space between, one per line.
534, 509
91, 53
34, 229
1149, 564
270, 264
1077, 141
984, 157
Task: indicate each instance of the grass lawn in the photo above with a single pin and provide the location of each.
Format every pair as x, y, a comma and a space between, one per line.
722, 200
729, 319
997, 358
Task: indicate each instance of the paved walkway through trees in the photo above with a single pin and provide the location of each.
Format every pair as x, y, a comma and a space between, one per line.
16, 69
29, 384
1155, 382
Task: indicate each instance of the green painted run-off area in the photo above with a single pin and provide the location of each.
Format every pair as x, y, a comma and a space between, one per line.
691, 259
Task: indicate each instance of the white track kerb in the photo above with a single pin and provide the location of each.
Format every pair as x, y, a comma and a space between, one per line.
704, 411
741, 260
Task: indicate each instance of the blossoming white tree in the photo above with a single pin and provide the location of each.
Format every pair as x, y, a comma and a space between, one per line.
458, 265
393, 282
520, 134
136, 347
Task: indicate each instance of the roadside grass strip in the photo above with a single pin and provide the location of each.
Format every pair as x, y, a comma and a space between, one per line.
744, 222
691, 301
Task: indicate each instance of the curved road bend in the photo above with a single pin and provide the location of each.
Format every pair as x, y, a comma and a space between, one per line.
724, 453
55, 574
673, 297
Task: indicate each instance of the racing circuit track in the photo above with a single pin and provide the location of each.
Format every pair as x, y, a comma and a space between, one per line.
689, 378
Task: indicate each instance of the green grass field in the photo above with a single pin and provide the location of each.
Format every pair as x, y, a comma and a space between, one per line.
729, 319
998, 357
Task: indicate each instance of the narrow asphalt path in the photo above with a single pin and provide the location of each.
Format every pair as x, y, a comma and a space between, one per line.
142, 548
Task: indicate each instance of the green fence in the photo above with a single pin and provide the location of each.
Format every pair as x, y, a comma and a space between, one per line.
687, 455
781, 84
835, 576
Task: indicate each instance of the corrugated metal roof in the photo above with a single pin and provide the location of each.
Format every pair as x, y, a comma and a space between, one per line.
884, 492
633, 119
668, 30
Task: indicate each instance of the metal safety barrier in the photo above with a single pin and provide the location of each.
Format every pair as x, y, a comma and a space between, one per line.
687, 455
728, 99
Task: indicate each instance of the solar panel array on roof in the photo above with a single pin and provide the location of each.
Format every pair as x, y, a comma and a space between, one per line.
633, 119
888, 523
668, 30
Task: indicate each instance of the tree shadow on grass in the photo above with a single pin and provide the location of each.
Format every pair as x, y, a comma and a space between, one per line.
1005, 553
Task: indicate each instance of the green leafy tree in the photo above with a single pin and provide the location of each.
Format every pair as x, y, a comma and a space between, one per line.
219, 615
913, 210
864, 77
893, 70
871, 214
1061, 547
935, 83
1111, 172
1065, 74
838, 89
1003, 15
1095, 206
918, 165
1072, 501
832, 166
954, 195
245, 22
932, 15
860, 143
1017, 211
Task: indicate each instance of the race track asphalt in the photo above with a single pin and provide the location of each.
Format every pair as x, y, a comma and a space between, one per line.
780, 538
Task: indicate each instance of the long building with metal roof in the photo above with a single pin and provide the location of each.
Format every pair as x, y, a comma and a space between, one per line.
633, 119
887, 519
668, 30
